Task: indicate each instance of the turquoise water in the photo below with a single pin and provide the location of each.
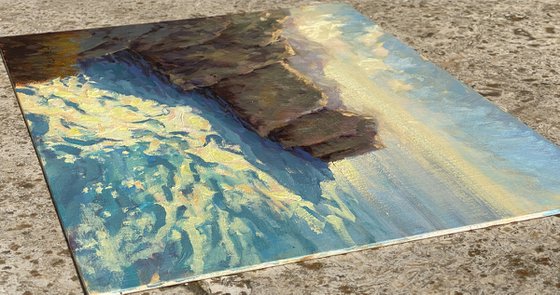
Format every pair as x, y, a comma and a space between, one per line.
86, 214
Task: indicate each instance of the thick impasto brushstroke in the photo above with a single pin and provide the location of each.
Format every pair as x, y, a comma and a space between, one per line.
193, 148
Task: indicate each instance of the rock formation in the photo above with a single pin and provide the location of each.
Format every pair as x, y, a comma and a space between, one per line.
242, 59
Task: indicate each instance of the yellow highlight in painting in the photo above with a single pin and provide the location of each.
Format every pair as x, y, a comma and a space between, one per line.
112, 123
350, 71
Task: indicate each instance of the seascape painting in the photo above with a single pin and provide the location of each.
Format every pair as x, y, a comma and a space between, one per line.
189, 149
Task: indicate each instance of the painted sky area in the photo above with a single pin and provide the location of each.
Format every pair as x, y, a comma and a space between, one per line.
154, 185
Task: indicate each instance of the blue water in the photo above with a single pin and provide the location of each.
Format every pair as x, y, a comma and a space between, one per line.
278, 237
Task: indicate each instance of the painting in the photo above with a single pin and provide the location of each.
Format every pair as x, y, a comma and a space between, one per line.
189, 149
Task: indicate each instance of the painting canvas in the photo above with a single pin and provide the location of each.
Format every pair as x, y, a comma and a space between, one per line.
182, 150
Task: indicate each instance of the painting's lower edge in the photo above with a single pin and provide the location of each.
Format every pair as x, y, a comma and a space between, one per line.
337, 252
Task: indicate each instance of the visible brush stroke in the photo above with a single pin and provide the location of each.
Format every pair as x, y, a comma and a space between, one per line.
188, 149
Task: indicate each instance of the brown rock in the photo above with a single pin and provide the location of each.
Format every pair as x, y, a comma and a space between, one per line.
242, 58
330, 135
269, 98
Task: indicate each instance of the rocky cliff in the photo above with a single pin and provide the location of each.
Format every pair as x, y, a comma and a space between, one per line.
242, 59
